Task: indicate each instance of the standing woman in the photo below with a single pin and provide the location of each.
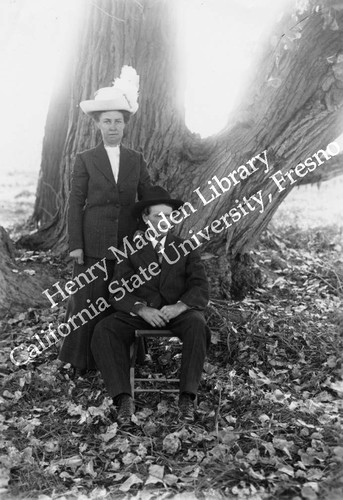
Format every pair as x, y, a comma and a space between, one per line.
106, 182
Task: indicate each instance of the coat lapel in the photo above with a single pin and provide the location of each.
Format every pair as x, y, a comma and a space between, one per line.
126, 165
102, 163
173, 257
147, 254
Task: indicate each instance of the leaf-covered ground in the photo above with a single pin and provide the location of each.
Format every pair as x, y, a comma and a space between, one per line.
269, 417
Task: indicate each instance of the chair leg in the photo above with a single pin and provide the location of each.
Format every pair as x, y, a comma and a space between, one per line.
133, 357
135, 349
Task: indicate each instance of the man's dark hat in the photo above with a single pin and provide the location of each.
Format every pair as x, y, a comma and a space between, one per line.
155, 195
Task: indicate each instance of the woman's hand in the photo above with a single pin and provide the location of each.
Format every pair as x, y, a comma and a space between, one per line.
77, 255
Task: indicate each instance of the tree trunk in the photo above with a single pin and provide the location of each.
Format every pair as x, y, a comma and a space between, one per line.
20, 288
290, 111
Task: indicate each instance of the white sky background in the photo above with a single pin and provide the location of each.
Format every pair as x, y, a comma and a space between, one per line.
33, 37
222, 38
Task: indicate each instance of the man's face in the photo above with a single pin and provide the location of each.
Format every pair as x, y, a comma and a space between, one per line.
156, 219
111, 125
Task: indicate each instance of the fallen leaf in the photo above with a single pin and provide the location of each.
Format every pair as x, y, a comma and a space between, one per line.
283, 445
30, 272
4, 478
228, 437
150, 429
287, 469
263, 418
156, 470
153, 480
338, 387
74, 409
315, 474
170, 479
110, 433
73, 462
89, 468
97, 493
210, 369
141, 450
338, 451
162, 407
51, 446
131, 481
118, 477
279, 395
65, 475
308, 492
171, 443
130, 458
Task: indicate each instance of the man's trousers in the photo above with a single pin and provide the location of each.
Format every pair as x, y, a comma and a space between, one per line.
114, 335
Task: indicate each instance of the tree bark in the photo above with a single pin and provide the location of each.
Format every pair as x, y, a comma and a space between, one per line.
19, 289
327, 172
291, 110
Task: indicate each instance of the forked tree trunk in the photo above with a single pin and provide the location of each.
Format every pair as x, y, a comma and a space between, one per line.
291, 111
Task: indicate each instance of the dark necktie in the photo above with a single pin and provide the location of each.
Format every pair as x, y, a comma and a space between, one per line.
158, 249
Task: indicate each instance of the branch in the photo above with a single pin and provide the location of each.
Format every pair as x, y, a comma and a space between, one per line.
325, 172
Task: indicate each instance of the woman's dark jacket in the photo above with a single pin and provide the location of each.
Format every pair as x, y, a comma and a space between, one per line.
99, 207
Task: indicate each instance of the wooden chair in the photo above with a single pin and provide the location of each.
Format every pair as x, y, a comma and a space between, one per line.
139, 336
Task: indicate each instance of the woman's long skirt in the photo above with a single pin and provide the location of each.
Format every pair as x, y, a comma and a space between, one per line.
76, 346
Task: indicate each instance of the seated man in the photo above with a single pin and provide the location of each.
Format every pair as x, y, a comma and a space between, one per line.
156, 286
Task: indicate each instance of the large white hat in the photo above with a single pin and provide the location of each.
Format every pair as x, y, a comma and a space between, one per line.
121, 96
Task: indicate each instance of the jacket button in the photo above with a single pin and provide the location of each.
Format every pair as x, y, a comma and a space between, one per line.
118, 205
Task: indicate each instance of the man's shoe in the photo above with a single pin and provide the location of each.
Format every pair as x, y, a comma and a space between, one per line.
126, 409
186, 407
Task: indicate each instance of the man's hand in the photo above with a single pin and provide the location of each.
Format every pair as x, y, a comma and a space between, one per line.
151, 315
77, 255
170, 312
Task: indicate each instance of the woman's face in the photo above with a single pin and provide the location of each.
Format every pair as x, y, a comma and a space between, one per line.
111, 125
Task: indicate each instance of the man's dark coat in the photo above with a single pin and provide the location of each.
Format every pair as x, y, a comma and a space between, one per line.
182, 277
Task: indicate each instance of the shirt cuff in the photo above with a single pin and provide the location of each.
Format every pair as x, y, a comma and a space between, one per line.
180, 302
135, 304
